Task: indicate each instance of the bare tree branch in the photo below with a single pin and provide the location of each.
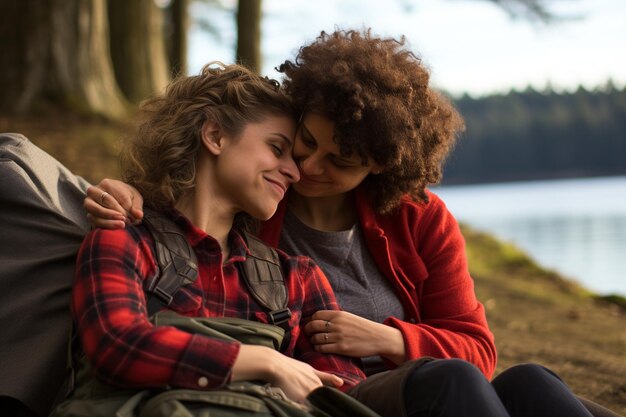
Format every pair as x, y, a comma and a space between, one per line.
531, 10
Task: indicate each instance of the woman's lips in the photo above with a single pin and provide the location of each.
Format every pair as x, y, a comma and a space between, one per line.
304, 179
278, 186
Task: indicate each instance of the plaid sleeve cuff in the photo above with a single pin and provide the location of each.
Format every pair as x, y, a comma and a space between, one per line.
206, 363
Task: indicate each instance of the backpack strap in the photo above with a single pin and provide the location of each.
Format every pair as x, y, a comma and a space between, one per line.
178, 266
175, 257
263, 276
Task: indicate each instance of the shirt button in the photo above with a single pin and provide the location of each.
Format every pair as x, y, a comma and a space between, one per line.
203, 381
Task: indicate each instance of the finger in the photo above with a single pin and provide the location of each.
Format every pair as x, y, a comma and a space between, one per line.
324, 315
323, 338
127, 197
105, 200
108, 195
331, 348
317, 326
106, 224
136, 209
111, 202
329, 379
98, 211
131, 201
314, 326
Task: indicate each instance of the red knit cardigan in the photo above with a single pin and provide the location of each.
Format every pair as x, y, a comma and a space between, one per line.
420, 249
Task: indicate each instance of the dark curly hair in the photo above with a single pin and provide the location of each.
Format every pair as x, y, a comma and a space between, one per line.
160, 160
377, 93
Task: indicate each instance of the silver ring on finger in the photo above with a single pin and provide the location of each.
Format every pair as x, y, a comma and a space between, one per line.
327, 325
326, 337
102, 197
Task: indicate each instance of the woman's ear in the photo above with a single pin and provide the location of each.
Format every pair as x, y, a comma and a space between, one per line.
212, 138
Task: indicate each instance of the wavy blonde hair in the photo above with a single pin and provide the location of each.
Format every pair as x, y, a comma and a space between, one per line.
160, 159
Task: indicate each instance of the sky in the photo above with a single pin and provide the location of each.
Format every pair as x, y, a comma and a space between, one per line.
470, 46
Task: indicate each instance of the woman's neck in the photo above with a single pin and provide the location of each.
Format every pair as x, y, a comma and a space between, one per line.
332, 213
208, 215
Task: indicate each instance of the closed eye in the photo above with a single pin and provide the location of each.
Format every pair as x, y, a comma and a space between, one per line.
308, 142
307, 138
280, 144
278, 150
342, 163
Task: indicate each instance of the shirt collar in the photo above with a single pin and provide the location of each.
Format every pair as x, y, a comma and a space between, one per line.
239, 250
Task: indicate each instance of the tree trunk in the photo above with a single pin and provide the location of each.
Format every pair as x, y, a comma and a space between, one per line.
179, 22
249, 33
57, 52
138, 48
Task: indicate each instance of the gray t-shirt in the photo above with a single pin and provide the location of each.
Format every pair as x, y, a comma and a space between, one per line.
343, 256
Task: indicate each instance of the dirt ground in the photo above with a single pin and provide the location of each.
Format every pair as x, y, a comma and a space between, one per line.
538, 316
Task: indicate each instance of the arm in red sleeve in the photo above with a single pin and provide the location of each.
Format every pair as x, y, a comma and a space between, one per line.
453, 322
124, 348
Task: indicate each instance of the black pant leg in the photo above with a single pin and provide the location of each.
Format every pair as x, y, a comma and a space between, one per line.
450, 388
530, 390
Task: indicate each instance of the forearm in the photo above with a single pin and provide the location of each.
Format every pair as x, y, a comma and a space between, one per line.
254, 364
142, 355
390, 344
123, 346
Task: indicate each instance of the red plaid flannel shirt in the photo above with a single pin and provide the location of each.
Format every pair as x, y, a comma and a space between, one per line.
125, 349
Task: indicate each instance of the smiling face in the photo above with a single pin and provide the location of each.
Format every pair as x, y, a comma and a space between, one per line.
254, 169
323, 170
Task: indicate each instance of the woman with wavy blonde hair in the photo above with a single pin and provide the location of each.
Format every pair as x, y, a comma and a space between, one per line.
214, 146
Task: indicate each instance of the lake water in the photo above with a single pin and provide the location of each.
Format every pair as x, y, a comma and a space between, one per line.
576, 227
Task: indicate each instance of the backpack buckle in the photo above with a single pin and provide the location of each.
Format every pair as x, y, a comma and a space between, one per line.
163, 296
279, 316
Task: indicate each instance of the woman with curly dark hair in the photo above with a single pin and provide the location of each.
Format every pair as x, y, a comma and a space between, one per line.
373, 134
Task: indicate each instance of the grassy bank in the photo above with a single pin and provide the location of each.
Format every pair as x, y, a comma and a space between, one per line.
538, 316
535, 314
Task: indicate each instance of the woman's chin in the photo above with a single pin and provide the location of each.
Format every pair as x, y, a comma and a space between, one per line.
305, 191
264, 213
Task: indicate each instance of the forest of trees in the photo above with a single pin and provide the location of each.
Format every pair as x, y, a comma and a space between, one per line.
539, 135
100, 57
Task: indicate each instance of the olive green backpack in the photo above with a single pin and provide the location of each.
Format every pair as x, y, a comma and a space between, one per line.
95, 399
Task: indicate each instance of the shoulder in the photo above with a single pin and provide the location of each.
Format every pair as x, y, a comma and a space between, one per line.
307, 283
129, 234
296, 263
434, 204
301, 270
411, 221
131, 241
419, 214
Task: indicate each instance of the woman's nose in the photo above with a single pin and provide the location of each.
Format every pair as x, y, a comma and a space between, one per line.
311, 165
290, 170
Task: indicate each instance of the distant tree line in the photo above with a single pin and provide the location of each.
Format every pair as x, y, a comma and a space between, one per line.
540, 135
